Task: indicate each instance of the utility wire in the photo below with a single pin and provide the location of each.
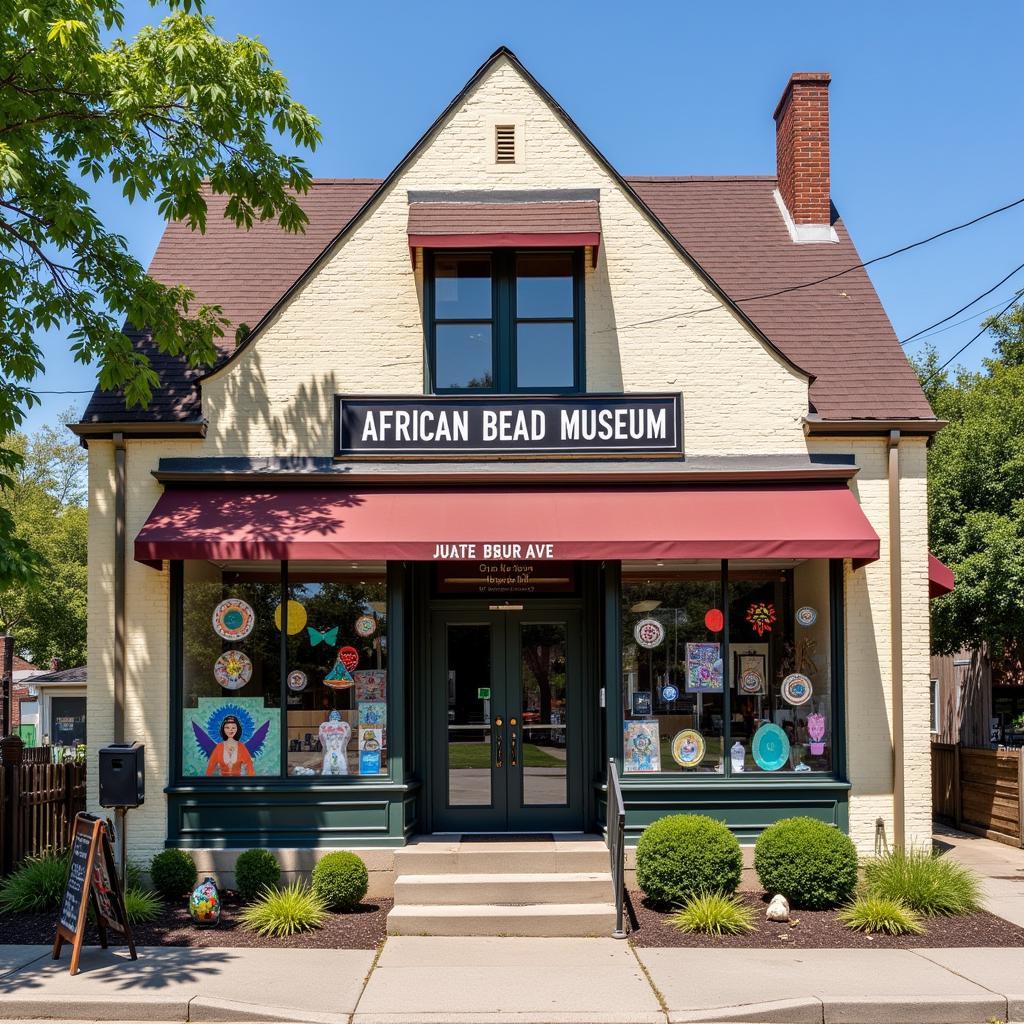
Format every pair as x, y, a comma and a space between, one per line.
829, 277
966, 319
963, 348
977, 298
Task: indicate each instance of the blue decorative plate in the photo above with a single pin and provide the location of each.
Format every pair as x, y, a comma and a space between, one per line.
770, 748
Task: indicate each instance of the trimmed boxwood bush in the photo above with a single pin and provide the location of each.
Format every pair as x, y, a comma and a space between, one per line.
173, 873
255, 870
812, 864
685, 855
340, 880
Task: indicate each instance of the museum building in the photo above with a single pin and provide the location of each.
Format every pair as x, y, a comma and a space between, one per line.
511, 465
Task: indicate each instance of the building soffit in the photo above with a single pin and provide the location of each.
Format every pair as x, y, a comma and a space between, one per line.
504, 53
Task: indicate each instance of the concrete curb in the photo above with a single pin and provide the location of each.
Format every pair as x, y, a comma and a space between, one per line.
138, 1007
205, 1008
519, 1017
806, 1010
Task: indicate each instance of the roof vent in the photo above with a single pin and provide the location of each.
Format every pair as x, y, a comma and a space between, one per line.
504, 143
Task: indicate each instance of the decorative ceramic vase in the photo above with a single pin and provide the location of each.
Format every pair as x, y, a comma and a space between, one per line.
204, 904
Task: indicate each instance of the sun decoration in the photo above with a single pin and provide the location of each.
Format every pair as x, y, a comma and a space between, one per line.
761, 615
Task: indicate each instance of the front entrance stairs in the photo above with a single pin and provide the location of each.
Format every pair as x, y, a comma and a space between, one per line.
536, 887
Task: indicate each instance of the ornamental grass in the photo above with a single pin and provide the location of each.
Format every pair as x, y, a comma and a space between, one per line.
284, 911
925, 882
880, 914
714, 913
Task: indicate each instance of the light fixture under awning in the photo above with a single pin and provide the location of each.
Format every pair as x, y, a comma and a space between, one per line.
820, 520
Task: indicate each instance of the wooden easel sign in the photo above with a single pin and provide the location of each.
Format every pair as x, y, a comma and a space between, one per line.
92, 876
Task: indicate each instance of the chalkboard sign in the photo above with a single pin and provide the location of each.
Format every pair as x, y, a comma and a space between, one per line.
92, 877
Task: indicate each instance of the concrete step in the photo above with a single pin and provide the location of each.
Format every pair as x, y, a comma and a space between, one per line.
500, 858
475, 889
531, 920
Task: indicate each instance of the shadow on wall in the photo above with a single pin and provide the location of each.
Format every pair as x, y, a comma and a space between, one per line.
603, 360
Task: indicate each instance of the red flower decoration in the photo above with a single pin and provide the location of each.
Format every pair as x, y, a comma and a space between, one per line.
761, 615
349, 657
714, 620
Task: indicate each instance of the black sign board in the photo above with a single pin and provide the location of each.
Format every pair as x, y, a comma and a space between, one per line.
506, 576
92, 877
504, 426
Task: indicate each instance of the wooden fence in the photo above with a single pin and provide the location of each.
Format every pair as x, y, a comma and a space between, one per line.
980, 790
38, 804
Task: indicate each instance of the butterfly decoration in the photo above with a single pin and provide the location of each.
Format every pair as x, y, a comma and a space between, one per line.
251, 736
329, 637
761, 615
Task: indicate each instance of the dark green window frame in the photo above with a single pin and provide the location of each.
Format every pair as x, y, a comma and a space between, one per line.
503, 322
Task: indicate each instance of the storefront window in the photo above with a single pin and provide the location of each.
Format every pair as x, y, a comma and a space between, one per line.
766, 707
331, 675
337, 674
673, 687
779, 648
231, 693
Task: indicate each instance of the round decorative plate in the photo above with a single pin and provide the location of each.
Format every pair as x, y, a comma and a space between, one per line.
670, 692
366, 625
714, 619
751, 682
233, 670
770, 747
806, 616
796, 689
688, 748
649, 633
349, 657
296, 617
297, 680
233, 619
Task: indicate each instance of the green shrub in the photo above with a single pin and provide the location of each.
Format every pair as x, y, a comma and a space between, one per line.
255, 870
714, 914
132, 876
924, 881
36, 886
685, 855
141, 905
279, 912
340, 880
812, 864
173, 873
881, 914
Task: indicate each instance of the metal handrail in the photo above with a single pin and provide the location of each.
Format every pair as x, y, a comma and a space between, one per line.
616, 821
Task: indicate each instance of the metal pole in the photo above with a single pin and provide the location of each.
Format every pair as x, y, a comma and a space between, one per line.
122, 829
7, 686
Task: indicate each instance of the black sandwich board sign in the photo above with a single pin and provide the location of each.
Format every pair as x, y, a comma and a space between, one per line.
92, 876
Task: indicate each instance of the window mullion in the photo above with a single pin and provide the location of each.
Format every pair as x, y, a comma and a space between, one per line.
505, 325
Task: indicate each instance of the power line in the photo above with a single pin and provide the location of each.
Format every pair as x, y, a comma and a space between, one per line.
963, 348
829, 277
967, 319
977, 298
89, 391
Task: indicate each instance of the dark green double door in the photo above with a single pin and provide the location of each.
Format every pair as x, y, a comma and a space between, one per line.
506, 721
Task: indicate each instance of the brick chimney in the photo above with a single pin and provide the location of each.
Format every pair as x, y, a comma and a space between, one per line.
801, 148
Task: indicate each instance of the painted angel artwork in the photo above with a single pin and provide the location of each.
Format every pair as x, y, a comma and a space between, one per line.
231, 738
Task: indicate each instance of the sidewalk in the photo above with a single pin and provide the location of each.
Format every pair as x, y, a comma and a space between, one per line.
517, 981
541, 981
1001, 866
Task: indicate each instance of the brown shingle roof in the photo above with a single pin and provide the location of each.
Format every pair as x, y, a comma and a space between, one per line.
497, 218
837, 330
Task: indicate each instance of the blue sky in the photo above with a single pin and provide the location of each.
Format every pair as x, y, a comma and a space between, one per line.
925, 106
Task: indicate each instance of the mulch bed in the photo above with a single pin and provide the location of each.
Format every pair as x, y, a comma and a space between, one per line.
818, 929
363, 928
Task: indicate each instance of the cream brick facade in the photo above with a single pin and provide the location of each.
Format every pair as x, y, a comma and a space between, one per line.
356, 326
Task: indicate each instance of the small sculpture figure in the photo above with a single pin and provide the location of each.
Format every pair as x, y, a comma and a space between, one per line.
334, 735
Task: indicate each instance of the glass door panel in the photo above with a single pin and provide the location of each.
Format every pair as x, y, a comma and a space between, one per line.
543, 681
469, 754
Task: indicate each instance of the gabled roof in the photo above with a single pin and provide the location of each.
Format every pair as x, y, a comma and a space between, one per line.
729, 229
63, 675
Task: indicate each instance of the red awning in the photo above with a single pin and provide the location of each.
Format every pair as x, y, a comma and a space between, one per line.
657, 522
940, 577
496, 225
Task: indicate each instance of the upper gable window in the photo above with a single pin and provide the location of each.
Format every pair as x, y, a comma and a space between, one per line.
505, 321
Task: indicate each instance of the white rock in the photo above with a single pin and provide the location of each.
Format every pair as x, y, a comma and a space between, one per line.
778, 909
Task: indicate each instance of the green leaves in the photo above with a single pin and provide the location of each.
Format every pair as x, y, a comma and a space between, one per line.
171, 116
976, 495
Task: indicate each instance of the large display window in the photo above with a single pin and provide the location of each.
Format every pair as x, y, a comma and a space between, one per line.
283, 671
729, 687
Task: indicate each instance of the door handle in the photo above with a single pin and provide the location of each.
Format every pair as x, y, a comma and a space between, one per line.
499, 754
514, 741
